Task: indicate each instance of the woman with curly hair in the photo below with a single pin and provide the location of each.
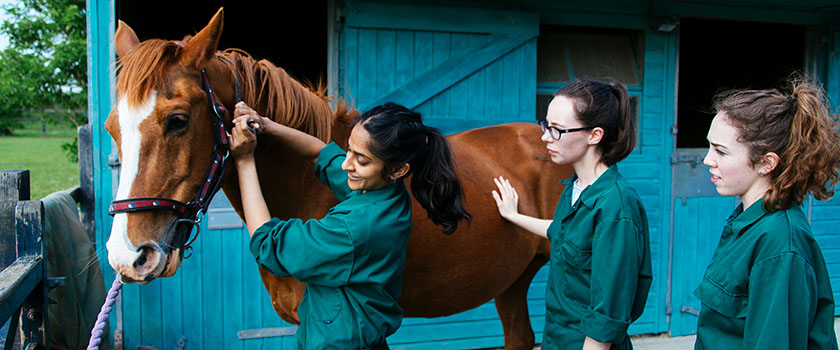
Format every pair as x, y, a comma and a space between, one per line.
767, 286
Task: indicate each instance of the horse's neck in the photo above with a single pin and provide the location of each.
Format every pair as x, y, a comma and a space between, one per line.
287, 181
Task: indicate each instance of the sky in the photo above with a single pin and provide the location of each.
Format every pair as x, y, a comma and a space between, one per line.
4, 41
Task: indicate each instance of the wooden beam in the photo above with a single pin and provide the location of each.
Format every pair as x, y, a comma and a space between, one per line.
17, 281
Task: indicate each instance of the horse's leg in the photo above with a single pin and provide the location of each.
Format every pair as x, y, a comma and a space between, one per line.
512, 306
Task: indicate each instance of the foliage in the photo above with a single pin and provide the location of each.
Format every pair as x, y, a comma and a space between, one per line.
45, 66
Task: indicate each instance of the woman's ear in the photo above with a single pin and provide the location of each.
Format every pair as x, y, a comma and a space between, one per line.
400, 171
596, 135
768, 162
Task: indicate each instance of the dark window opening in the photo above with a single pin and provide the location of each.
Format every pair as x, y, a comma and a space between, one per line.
717, 56
292, 35
566, 54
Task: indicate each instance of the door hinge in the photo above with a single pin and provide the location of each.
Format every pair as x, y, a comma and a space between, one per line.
674, 130
689, 310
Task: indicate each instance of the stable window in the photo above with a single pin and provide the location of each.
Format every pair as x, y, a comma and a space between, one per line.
567, 54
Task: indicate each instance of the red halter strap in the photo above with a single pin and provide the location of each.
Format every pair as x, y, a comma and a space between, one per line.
192, 212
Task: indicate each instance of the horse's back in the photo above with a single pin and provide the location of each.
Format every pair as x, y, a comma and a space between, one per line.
448, 274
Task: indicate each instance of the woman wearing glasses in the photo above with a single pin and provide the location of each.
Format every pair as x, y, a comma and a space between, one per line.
600, 270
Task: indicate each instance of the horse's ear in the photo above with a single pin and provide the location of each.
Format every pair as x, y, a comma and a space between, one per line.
124, 40
202, 47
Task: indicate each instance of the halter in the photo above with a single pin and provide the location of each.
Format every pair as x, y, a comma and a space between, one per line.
193, 212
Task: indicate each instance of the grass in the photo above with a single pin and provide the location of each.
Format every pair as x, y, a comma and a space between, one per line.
49, 168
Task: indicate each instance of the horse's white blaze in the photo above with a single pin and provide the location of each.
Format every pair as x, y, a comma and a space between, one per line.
121, 253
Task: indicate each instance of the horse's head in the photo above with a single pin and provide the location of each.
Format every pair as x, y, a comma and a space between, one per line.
163, 126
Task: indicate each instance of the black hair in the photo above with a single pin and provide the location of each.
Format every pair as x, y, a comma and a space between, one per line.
607, 106
398, 136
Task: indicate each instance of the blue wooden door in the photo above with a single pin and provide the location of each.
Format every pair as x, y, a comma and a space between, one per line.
461, 69
699, 214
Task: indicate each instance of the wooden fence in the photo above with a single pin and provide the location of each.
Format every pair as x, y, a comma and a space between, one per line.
23, 286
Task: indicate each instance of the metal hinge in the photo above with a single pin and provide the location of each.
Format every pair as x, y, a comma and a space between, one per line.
674, 130
114, 161
689, 310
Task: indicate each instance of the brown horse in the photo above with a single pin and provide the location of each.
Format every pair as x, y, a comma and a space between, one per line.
162, 126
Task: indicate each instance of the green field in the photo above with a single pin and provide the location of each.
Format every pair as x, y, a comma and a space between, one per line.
49, 168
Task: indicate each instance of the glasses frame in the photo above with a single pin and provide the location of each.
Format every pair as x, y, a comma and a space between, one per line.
553, 129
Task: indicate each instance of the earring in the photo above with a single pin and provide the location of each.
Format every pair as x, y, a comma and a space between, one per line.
761, 173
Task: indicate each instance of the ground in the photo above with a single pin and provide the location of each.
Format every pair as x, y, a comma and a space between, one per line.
49, 168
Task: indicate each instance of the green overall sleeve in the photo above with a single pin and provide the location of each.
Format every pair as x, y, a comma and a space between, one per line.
314, 251
779, 310
617, 253
328, 169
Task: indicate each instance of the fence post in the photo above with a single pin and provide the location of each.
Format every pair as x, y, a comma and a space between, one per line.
14, 187
29, 227
88, 194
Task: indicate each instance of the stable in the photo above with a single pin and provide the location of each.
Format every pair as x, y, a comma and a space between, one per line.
467, 64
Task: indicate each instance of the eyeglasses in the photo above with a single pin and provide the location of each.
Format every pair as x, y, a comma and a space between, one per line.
556, 132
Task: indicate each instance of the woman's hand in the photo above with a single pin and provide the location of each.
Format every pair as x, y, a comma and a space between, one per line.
243, 141
242, 112
506, 198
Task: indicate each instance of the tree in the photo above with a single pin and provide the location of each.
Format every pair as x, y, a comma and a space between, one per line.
44, 68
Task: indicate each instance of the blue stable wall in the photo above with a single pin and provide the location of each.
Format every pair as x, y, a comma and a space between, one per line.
462, 68
421, 43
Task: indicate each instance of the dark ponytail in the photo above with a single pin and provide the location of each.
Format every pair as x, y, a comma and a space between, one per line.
398, 137
607, 106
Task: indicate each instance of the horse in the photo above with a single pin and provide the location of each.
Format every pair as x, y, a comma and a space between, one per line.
165, 132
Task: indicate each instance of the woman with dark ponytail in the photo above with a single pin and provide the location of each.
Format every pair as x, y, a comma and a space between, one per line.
352, 259
767, 286
600, 270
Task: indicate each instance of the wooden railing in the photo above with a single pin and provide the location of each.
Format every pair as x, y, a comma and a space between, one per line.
22, 265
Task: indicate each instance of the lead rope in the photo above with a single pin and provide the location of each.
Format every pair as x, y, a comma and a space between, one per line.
99, 326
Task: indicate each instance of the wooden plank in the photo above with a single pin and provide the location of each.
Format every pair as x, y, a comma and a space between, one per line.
252, 296
385, 61
17, 281
366, 86
423, 46
459, 94
438, 18
441, 52
453, 70
404, 60
511, 69
233, 288
152, 314
475, 83
351, 62
193, 302
29, 224
528, 81
211, 275
14, 186
88, 194
172, 320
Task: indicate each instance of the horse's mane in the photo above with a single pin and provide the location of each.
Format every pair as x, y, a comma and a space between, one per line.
265, 87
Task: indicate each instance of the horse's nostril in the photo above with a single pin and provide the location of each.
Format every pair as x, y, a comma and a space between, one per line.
141, 260
144, 255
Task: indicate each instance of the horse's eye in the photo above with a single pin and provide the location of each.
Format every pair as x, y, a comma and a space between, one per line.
176, 122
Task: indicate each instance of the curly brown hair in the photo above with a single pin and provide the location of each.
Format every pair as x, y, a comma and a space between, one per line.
797, 127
